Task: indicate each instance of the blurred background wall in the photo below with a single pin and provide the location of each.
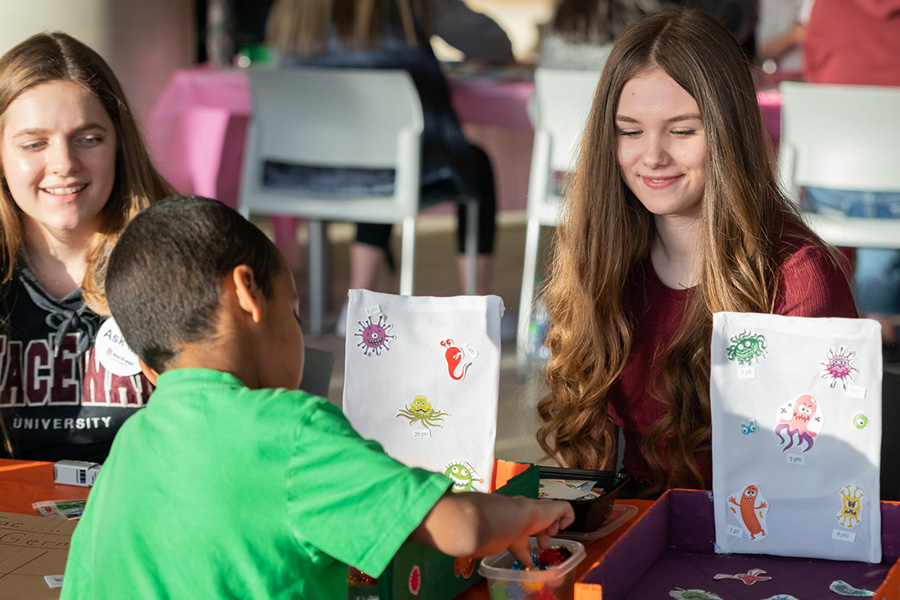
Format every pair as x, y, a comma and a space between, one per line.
144, 41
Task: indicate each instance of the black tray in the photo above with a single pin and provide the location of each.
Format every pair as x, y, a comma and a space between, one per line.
589, 514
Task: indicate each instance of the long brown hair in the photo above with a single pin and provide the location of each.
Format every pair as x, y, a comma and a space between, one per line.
301, 27
608, 236
57, 56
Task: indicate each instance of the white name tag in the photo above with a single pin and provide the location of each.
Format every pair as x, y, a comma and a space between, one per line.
114, 354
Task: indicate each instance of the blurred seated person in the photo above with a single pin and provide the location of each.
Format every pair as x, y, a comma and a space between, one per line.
738, 16
857, 42
780, 33
475, 34
582, 32
391, 34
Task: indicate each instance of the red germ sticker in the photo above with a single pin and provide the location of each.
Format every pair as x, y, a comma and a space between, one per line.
464, 567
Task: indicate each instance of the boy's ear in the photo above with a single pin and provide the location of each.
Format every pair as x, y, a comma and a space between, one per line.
248, 293
148, 372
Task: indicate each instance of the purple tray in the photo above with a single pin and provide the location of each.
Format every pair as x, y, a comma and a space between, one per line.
671, 547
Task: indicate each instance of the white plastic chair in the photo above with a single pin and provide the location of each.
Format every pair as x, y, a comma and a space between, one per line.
842, 137
369, 119
562, 101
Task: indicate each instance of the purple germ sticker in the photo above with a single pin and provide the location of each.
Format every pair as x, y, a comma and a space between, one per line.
375, 335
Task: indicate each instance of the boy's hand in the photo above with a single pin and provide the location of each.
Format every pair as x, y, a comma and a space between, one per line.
477, 524
552, 515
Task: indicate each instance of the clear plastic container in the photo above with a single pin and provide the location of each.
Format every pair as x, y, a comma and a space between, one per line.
556, 582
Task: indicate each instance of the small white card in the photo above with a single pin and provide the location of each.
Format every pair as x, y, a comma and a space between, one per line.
735, 531
844, 536
856, 391
746, 373
560, 489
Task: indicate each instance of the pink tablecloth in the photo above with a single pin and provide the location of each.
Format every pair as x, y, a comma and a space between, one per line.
196, 131
770, 108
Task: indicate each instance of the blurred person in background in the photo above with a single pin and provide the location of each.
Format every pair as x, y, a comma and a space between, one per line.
738, 16
395, 34
582, 32
475, 34
857, 42
780, 33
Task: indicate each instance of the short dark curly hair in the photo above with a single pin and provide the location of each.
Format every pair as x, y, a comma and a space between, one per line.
166, 272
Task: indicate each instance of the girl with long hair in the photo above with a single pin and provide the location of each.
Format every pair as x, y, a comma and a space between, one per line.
674, 213
74, 171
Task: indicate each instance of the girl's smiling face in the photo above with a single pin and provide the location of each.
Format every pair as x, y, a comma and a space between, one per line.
58, 158
661, 144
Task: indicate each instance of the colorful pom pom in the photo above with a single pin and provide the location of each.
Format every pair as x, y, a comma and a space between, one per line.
357, 577
548, 558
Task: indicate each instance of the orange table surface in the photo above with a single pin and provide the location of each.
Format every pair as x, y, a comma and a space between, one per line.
23, 482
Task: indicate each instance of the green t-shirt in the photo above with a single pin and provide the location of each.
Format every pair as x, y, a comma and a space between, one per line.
219, 491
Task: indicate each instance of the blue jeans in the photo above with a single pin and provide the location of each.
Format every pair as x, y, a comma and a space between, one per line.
877, 269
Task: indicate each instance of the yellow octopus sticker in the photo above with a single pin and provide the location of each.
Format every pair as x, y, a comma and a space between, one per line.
420, 410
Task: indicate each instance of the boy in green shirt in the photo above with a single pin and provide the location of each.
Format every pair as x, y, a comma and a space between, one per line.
231, 483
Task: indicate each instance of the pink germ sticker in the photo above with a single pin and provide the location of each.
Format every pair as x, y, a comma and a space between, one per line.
749, 578
801, 421
838, 366
415, 580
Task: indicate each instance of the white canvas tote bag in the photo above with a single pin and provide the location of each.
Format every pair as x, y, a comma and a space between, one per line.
796, 435
422, 378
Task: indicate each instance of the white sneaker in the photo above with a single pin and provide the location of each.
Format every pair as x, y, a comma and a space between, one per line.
340, 328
